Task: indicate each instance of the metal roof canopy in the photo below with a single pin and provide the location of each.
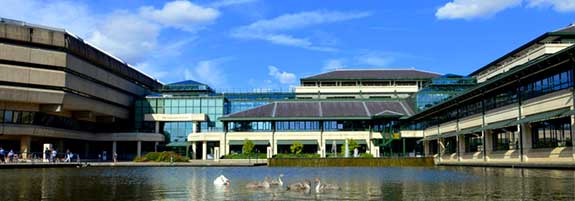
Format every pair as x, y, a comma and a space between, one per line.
256, 142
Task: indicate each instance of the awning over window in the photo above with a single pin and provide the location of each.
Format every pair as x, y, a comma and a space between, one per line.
546, 116
469, 130
450, 134
256, 142
500, 124
304, 142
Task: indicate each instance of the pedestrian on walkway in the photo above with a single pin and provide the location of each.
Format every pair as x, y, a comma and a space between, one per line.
11, 156
68, 156
2, 155
115, 157
54, 154
47, 154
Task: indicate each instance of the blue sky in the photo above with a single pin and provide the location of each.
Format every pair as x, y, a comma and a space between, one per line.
265, 44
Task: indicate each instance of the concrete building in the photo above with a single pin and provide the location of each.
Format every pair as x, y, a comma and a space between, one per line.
363, 84
55, 88
521, 112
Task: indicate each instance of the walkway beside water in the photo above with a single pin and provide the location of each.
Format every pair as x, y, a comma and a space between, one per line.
192, 163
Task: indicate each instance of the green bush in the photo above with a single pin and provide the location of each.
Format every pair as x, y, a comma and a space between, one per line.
248, 146
165, 156
246, 156
366, 155
296, 147
352, 144
297, 156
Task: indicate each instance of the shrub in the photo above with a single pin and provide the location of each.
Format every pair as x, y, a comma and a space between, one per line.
366, 155
166, 156
248, 146
296, 147
246, 156
297, 156
352, 144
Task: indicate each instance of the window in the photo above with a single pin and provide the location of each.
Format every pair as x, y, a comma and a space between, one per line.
328, 84
1, 116
450, 145
505, 139
374, 83
473, 143
345, 125
552, 133
308, 84
405, 83
348, 83
554, 82
8, 116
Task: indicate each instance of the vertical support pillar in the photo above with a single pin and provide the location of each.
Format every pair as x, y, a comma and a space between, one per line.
194, 127
60, 147
488, 146
156, 147
25, 146
322, 148
204, 150
460, 146
275, 146
139, 149
526, 145
194, 150
403, 146
426, 148
572, 140
157, 127
114, 148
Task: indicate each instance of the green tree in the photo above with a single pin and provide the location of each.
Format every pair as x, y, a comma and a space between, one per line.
352, 144
296, 147
248, 146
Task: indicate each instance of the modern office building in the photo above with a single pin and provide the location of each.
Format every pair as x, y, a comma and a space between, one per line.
57, 89
521, 112
363, 84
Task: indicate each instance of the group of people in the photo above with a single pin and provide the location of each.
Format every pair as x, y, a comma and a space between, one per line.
52, 155
9, 156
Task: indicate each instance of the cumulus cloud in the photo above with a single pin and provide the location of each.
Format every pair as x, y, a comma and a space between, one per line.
282, 76
181, 14
127, 36
470, 9
558, 5
208, 72
272, 30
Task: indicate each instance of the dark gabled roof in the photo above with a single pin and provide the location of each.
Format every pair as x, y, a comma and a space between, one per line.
322, 110
187, 82
373, 74
567, 31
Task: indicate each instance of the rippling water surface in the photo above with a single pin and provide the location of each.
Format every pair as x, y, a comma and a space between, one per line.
195, 183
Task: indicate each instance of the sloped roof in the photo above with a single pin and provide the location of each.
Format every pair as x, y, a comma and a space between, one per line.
187, 82
317, 110
375, 74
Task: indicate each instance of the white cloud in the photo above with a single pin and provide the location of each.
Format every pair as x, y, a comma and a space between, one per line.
181, 14
127, 36
208, 72
282, 76
558, 5
270, 30
333, 64
470, 9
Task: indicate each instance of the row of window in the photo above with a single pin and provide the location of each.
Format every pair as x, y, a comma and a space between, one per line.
509, 95
48, 120
343, 125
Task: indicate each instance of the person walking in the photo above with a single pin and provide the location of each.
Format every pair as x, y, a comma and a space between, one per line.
54, 154
68, 156
115, 157
11, 156
104, 156
2, 155
47, 155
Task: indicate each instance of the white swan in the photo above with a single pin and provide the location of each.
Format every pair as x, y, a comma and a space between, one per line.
300, 186
278, 182
222, 181
259, 185
323, 187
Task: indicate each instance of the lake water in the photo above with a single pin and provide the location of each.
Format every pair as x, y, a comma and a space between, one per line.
195, 183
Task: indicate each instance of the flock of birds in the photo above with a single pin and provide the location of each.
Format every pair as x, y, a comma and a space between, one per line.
302, 186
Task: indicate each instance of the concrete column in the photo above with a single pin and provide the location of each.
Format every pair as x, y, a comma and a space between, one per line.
204, 150
488, 143
25, 146
460, 146
194, 127
426, 148
527, 141
572, 140
321, 144
114, 148
194, 149
157, 127
156, 146
139, 151
275, 146
60, 147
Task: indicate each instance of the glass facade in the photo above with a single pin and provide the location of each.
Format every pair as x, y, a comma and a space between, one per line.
552, 133
213, 107
505, 139
440, 89
55, 121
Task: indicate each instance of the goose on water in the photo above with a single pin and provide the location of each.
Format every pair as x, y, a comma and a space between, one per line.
222, 181
259, 185
324, 187
277, 182
300, 186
